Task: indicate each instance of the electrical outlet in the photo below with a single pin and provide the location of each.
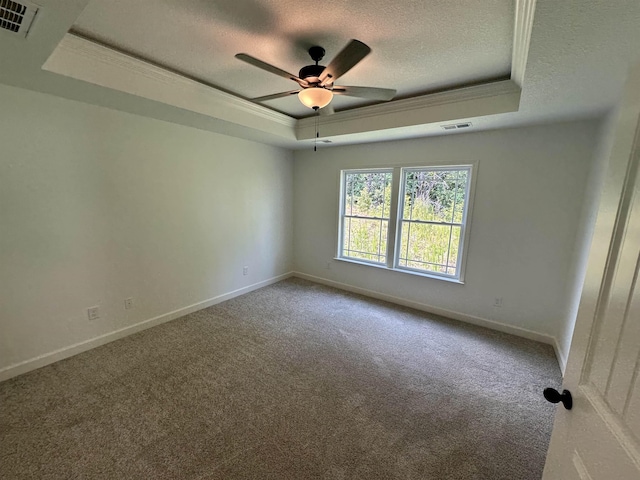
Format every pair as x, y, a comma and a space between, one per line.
128, 303
497, 302
245, 270
93, 313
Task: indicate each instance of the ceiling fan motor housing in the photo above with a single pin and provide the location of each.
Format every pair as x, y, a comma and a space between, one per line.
311, 71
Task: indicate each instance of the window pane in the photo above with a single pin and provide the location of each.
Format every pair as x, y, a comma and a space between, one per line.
430, 195
353, 188
387, 196
365, 239
453, 251
461, 193
368, 194
348, 193
425, 247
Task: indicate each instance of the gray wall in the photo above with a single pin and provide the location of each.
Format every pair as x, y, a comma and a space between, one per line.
97, 206
531, 185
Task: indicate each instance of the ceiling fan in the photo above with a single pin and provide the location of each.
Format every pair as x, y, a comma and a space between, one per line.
316, 81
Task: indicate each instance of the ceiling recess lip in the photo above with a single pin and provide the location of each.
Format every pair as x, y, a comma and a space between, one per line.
449, 106
418, 103
525, 11
83, 59
92, 62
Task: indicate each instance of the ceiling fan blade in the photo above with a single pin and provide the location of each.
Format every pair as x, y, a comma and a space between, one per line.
270, 68
344, 61
372, 93
274, 96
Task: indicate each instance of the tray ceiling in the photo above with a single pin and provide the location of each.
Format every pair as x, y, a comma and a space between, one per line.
418, 47
569, 62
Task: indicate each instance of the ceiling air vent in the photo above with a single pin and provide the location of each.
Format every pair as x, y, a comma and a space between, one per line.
17, 17
456, 126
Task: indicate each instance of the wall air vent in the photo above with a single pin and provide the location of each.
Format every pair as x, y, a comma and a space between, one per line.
456, 126
17, 17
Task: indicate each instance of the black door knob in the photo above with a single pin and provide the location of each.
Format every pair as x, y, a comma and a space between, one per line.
553, 396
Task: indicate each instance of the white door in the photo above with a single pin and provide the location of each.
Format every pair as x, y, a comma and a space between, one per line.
600, 437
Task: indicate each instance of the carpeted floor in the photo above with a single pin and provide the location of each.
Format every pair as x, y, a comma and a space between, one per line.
293, 381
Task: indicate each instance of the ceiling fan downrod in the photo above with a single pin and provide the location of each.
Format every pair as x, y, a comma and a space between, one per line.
313, 71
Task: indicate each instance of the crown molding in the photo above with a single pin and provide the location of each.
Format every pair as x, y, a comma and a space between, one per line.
87, 60
525, 10
83, 59
463, 103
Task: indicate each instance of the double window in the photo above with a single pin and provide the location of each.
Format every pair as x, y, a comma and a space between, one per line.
410, 219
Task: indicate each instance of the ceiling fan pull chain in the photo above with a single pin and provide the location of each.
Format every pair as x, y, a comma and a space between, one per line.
315, 140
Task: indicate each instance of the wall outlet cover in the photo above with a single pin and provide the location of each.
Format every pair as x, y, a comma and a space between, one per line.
93, 313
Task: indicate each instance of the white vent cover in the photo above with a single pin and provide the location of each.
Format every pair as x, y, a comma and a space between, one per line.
17, 17
456, 126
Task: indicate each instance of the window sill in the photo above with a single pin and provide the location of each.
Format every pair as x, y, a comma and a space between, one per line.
400, 270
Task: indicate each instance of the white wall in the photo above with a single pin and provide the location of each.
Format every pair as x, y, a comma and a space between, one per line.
585, 231
98, 205
530, 187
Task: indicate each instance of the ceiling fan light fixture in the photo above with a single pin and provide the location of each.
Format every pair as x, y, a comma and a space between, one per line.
315, 97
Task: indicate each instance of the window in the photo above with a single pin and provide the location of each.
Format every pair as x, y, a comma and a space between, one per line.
433, 207
408, 219
365, 218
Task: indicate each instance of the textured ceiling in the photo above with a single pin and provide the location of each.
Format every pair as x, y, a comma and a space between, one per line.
579, 54
418, 47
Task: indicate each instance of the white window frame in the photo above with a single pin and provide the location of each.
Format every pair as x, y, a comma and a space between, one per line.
394, 230
402, 199
343, 215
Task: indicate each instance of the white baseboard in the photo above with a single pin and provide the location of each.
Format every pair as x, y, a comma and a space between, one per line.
561, 355
463, 317
66, 352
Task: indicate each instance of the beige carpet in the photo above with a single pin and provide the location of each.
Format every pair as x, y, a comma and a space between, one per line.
293, 381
